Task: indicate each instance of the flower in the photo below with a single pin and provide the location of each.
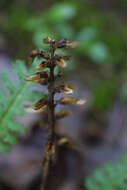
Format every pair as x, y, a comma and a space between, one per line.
37, 76
64, 43
61, 62
38, 53
72, 101
40, 106
67, 89
63, 113
42, 66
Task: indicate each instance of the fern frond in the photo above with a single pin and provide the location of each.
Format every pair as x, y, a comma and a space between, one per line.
11, 105
112, 177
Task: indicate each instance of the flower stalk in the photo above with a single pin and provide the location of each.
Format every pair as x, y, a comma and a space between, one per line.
50, 149
48, 104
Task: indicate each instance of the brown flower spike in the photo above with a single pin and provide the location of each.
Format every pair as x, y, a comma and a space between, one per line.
49, 104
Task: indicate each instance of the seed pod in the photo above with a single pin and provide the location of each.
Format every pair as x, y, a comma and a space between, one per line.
67, 89
72, 101
63, 113
43, 65
48, 40
40, 106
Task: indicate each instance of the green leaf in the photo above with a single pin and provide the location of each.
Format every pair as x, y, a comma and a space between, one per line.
111, 177
11, 105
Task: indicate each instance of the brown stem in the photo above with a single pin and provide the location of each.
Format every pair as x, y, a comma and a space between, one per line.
47, 164
51, 117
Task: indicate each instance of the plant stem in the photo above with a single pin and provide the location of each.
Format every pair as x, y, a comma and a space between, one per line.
51, 116
47, 164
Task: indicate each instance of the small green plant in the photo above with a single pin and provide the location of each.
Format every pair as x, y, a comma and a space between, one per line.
112, 177
49, 77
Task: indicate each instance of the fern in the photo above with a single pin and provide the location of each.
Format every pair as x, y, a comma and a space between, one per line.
12, 105
112, 177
